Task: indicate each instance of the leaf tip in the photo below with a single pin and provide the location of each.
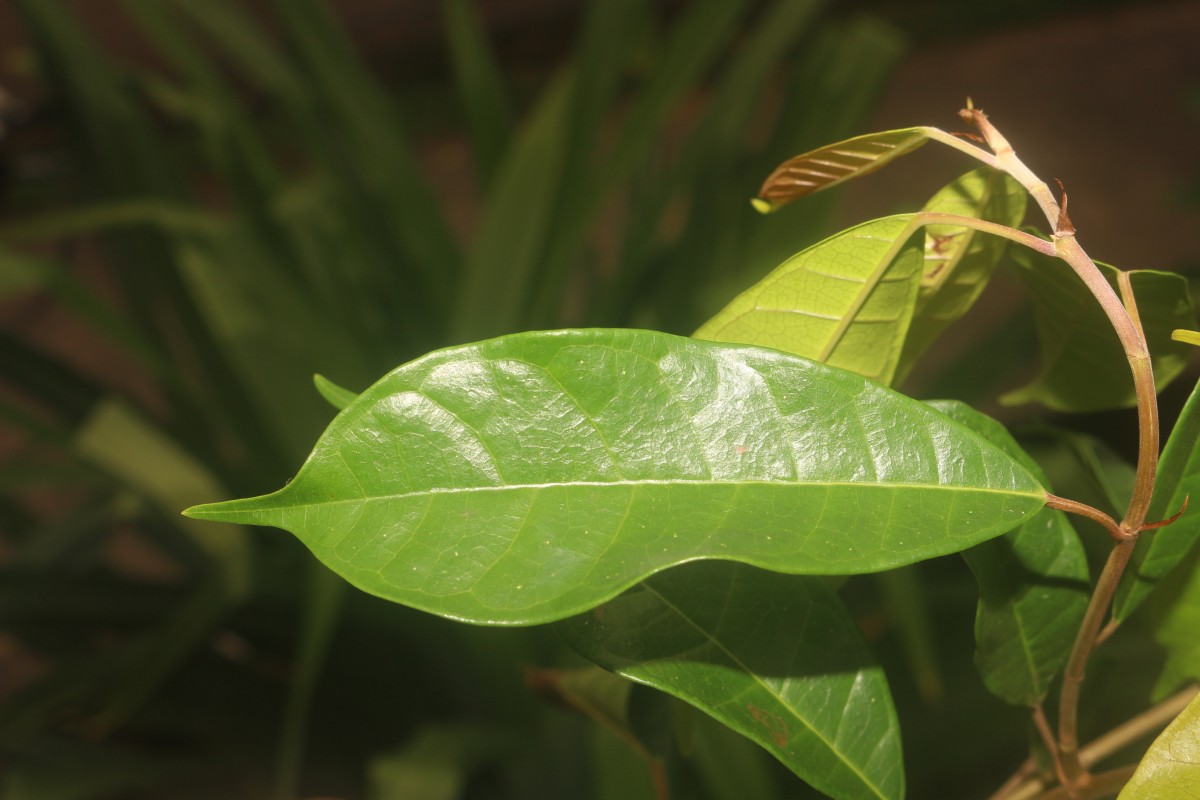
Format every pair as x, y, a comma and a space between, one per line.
763, 206
1186, 336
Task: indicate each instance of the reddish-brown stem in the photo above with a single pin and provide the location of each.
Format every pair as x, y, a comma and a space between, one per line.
1068, 709
1084, 510
1043, 728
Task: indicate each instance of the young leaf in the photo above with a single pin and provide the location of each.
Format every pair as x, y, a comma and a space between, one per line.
1170, 770
775, 657
1033, 587
335, 395
1176, 630
846, 301
1083, 365
832, 164
1158, 552
532, 477
959, 261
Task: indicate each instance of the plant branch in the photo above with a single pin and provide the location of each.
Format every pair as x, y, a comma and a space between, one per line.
1084, 510
1068, 711
1043, 728
1104, 784
1042, 246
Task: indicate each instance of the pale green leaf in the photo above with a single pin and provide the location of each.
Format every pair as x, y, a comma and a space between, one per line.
531, 477
1033, 587
775, 657
846, 301
1159, 551
959, 261
1170, 770
834, 163
1083, 364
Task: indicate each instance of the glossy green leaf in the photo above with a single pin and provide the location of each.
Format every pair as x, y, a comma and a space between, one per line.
531, 477
775, 657
832, 164
1159, 551
1033, 587
846, 301
959, 261
1170, 770
1083, 364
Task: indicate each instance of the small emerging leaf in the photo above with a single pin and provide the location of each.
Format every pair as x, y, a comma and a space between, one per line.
1033, 587
1083, 365
335, 395
532, 477
777, 658
830, 165
846, 301
1187, 337
1170, 770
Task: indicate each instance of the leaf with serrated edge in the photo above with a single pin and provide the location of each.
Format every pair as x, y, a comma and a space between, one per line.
832, 164
846, 301
1170, 770
775, 657
1033, 587
1083, 365
959, 261
531, 477
1158, 552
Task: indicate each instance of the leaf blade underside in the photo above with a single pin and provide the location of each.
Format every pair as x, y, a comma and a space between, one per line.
846, 301
531, 477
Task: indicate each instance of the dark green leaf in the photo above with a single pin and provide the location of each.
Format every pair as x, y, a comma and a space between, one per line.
846, 301
1033, 587
777, 658
959, 261
531, 477
1083, 365
1176, 629
1159, 551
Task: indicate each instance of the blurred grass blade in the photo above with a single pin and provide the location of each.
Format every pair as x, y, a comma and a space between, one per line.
520, 206
483, 94
828, 166
322, 609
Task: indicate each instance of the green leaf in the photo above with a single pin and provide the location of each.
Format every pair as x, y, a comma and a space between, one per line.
1176, 629
1170, 770
531, 477
336, 396
775, 657
437, 764
959, 261
846, 301
1033, 587
1083, 365
1158, 552
835, 163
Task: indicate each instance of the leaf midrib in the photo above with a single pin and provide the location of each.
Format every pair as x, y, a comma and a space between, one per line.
201, 510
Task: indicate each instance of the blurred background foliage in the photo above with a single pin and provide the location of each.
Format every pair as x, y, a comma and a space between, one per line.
196, 219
